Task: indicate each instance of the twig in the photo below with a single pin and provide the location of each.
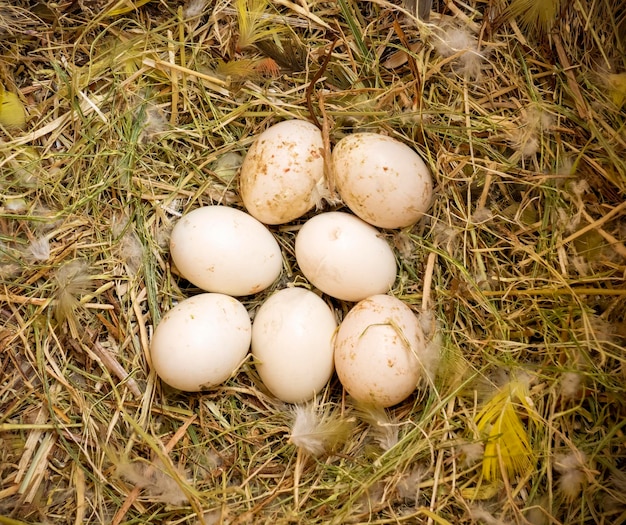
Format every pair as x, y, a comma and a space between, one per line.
581, 108
554, 292
316, 77
428, 279
171, 53
412, 64
115, 367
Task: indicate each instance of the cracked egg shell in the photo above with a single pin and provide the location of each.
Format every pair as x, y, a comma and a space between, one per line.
282, 175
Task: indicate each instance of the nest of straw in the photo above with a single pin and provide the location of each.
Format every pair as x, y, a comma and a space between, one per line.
138, 113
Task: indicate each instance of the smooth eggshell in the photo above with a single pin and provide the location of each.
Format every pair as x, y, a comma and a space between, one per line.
345, 257
201, 342
225, 250
292, 344
382, 180
377, 350
282, 174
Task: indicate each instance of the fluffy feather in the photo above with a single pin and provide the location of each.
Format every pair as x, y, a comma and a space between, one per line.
571, 386
39, 249
452, 40
571, 468
470, 453
408, 488
316, 430
194, 8
430, 358
73, 281
383, 430
154, 481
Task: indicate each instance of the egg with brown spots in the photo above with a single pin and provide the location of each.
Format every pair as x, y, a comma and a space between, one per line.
377, 351
382, 180
282, 175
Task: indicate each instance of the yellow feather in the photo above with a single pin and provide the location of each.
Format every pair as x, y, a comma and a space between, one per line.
507, 440
482, 492
535, 14
617, 88
255, 24
236, 69
125, 6
12, 112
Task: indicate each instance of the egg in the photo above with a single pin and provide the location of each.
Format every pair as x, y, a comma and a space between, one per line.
225, 250
282, 175
344, 256
377, 351
201, 342
292, 344
382, 180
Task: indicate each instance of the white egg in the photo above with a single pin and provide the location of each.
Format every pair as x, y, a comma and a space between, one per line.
201, 342
345, 257
292, 344
225, 250
382, 180
377, 351
282, 176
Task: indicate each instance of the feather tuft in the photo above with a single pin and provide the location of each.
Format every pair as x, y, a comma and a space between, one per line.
470, 453
316, 430
571, 386
73, 280
408, 486
461, 43
430, 357
157, 484
572, 474
384, 431
194, 8
39, 249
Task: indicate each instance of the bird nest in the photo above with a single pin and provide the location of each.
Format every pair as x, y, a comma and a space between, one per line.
117, 118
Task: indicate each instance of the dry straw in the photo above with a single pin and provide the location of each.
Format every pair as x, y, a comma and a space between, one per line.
137, 113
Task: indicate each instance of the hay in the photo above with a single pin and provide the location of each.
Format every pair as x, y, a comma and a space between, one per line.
130, 115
